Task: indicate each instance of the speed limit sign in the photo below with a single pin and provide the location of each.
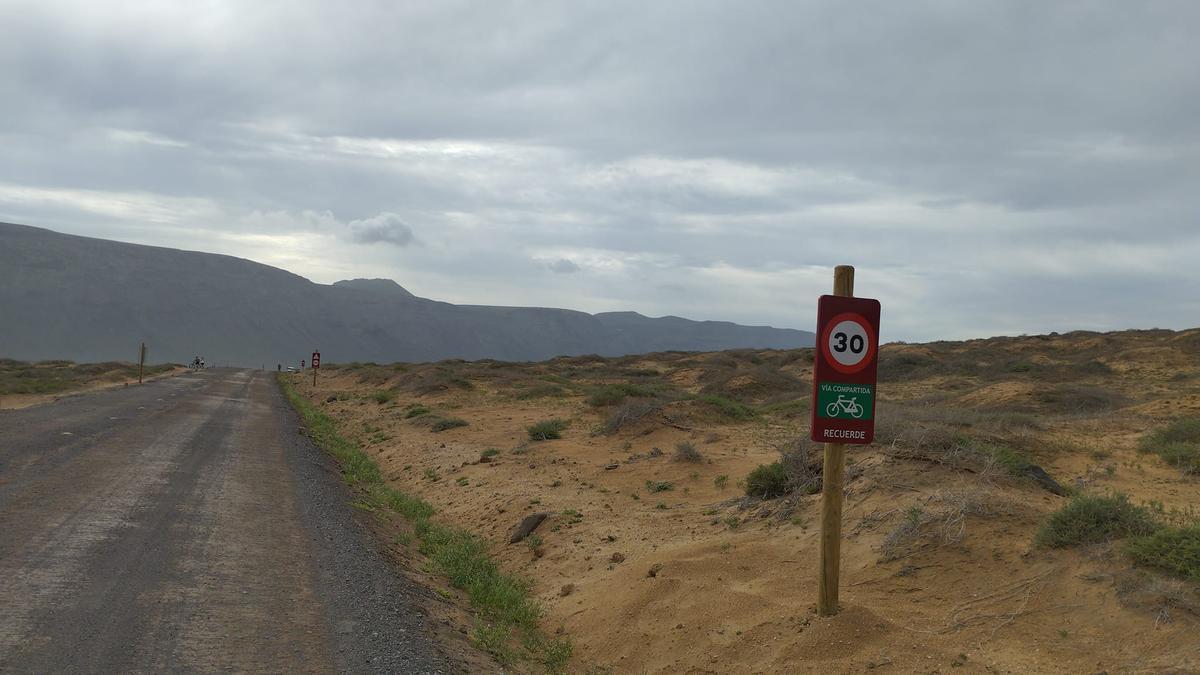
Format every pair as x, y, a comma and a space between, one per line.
844, 370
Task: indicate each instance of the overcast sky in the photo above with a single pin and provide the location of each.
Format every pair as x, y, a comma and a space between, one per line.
989, 168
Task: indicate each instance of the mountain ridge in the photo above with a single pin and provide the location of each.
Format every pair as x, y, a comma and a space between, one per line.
90, 299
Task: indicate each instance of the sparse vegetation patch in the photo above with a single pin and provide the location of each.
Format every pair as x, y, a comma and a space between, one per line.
1178, 444
547, 430
685, 451
614, 394
447, 423
1172, 549
1092, 519
767, 481
727, 407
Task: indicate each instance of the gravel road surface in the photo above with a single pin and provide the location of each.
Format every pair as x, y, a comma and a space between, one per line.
184, 526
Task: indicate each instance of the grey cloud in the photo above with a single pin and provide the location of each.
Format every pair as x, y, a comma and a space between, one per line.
563, 266
732, 149
383, 228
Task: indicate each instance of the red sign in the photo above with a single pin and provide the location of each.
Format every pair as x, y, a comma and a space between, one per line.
316, 360
844, 370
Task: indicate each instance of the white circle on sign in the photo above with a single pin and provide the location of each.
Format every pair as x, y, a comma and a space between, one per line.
849, 343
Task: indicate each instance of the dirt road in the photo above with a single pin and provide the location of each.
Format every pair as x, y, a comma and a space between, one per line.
185, 526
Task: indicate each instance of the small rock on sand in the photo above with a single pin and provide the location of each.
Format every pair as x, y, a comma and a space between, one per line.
527, 525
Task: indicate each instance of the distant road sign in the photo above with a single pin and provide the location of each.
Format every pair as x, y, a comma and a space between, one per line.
316, 360
844, 370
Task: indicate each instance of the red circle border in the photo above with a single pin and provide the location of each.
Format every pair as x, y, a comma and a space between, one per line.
860, 320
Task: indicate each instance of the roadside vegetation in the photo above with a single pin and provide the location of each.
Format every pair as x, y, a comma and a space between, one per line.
1178, 444
547, 430
506, 615
1095, 519
56, 377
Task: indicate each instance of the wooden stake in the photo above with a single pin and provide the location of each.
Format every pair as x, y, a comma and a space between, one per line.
832, 479
141, 361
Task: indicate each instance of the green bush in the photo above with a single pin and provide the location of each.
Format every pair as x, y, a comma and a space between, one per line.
447, 423
1171, 549
685, 451
416, 411
540, 391
1182, 456
382, 397
728, 407
546, 430
1186, 430
659, 486
617, 393
1178, 444
767, 480
1091, 519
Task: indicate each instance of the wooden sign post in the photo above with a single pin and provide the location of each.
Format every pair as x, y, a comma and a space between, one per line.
843, 412
141, 361
316, 363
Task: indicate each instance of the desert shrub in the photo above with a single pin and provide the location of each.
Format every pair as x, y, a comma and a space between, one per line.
1077, 398
900, 540
431, 379
721, 481
382, 397
1171, 549
547, 429
767, 480
416, 411
685, 451
803, 464
447, 423
798, 407
897, 366
760, 382
1178, 444
727, 407
940, 520
540, 391
659, 485
1182, 456
614, 394
1186, 430
629, 413
1090, 519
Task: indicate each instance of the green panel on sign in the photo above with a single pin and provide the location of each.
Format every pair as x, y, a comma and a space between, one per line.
845, 401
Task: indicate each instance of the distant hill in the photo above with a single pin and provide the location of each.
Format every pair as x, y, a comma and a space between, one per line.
64, 296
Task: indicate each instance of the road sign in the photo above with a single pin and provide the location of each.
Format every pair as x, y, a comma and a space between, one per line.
844, 370
316, 360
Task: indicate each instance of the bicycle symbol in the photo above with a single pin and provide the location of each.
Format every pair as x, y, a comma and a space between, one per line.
849, 406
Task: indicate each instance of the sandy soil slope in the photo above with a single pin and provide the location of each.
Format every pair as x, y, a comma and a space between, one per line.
940, 572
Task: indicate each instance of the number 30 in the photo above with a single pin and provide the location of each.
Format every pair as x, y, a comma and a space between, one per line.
856, 343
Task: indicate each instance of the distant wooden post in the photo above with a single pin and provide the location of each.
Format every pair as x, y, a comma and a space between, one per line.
832, 481
141, 361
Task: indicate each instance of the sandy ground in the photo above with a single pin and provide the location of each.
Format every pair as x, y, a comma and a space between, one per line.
698, 579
